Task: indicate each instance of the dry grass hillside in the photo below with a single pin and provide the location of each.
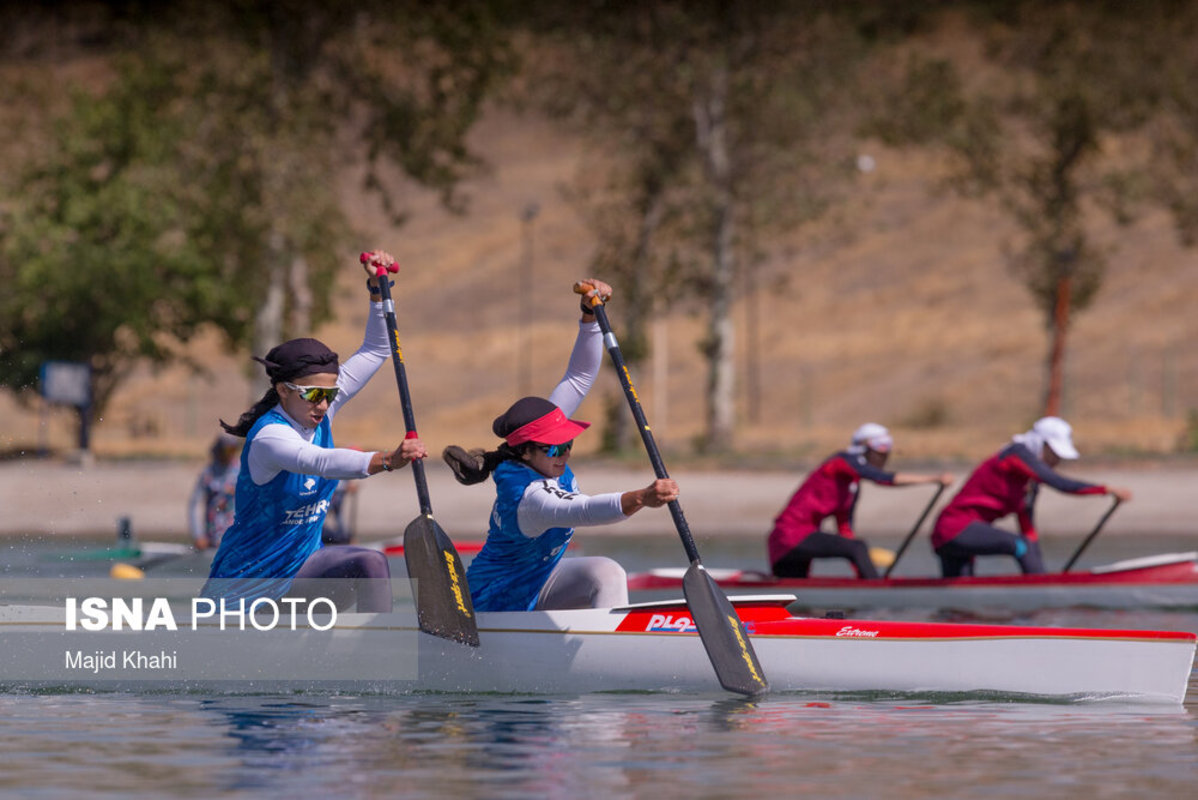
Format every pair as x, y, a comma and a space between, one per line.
897, 308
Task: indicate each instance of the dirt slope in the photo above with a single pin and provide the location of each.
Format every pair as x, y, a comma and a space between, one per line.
896, 309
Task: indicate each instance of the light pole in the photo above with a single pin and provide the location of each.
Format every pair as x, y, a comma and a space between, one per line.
524, 357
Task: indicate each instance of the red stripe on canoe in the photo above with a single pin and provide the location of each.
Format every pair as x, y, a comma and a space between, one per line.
461, 547
771, 619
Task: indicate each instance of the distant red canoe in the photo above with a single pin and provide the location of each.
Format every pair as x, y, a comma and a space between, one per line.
395, 547
1169, 580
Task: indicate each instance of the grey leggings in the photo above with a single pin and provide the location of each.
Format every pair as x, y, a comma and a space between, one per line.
980, 539
346, 575
585, 582
797, 563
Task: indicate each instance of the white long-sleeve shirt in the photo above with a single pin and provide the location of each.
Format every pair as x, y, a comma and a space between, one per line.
545, 503
289, 448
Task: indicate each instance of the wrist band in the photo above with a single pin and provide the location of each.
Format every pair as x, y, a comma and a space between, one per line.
387, 463
378, 289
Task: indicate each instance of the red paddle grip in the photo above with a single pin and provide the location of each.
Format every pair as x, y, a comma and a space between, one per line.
379, 269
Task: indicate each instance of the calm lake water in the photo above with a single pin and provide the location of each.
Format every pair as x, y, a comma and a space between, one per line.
612, 745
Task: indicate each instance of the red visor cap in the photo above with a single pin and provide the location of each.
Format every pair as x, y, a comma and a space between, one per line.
553, 428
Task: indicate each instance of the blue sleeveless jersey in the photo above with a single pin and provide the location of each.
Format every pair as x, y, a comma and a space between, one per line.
508, 573
276, 529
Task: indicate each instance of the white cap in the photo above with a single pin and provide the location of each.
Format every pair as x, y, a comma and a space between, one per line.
871, 436
1057, 434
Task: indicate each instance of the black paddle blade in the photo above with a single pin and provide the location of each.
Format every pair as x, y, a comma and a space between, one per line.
442, 597
723, 634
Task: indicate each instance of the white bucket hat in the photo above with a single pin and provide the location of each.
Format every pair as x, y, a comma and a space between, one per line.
1058, 435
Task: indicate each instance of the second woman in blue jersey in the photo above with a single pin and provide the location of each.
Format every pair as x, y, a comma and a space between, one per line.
538, 503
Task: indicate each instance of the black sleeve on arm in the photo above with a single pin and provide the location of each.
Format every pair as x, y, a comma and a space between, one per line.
1045, 474
867, 471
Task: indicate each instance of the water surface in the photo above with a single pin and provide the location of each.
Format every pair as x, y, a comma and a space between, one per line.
66, 745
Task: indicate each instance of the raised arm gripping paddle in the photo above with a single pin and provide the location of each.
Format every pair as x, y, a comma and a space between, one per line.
723, 634
443, 604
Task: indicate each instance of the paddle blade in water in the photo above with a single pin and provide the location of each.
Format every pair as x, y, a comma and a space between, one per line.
723, 634
442, 597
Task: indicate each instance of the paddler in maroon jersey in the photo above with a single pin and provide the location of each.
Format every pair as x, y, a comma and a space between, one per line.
1007, 483
832, 491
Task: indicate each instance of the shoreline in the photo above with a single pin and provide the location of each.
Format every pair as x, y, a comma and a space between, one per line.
47, 498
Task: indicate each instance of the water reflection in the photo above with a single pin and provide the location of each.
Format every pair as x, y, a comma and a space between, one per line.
272, 739
619, 745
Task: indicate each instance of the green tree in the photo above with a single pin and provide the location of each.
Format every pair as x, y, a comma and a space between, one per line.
1173, 167
1040, 130
92, 259
631, 188
713, 122
198, 185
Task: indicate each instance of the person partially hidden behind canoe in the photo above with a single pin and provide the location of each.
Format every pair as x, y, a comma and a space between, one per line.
537, 501
832, 490
211, 509
289, 469
1007, 483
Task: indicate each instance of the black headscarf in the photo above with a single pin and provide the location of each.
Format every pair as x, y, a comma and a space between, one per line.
298, 358
289, 361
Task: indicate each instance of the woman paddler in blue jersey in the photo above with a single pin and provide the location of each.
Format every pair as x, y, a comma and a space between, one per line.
537, 501
289, 469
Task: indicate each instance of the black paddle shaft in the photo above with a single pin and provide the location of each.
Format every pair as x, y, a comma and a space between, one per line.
723, 634
1086, 543
914, 530
405, 396
638, 413
443, 605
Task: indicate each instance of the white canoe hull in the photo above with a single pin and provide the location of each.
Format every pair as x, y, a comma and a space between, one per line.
646, 648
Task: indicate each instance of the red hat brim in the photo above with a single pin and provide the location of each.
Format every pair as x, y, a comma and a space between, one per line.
552, 428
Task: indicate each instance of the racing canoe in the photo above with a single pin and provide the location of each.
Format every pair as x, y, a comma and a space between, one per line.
645, 647
1163, 581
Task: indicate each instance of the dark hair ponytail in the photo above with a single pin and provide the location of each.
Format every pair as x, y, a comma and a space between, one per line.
475, 466
247, 420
